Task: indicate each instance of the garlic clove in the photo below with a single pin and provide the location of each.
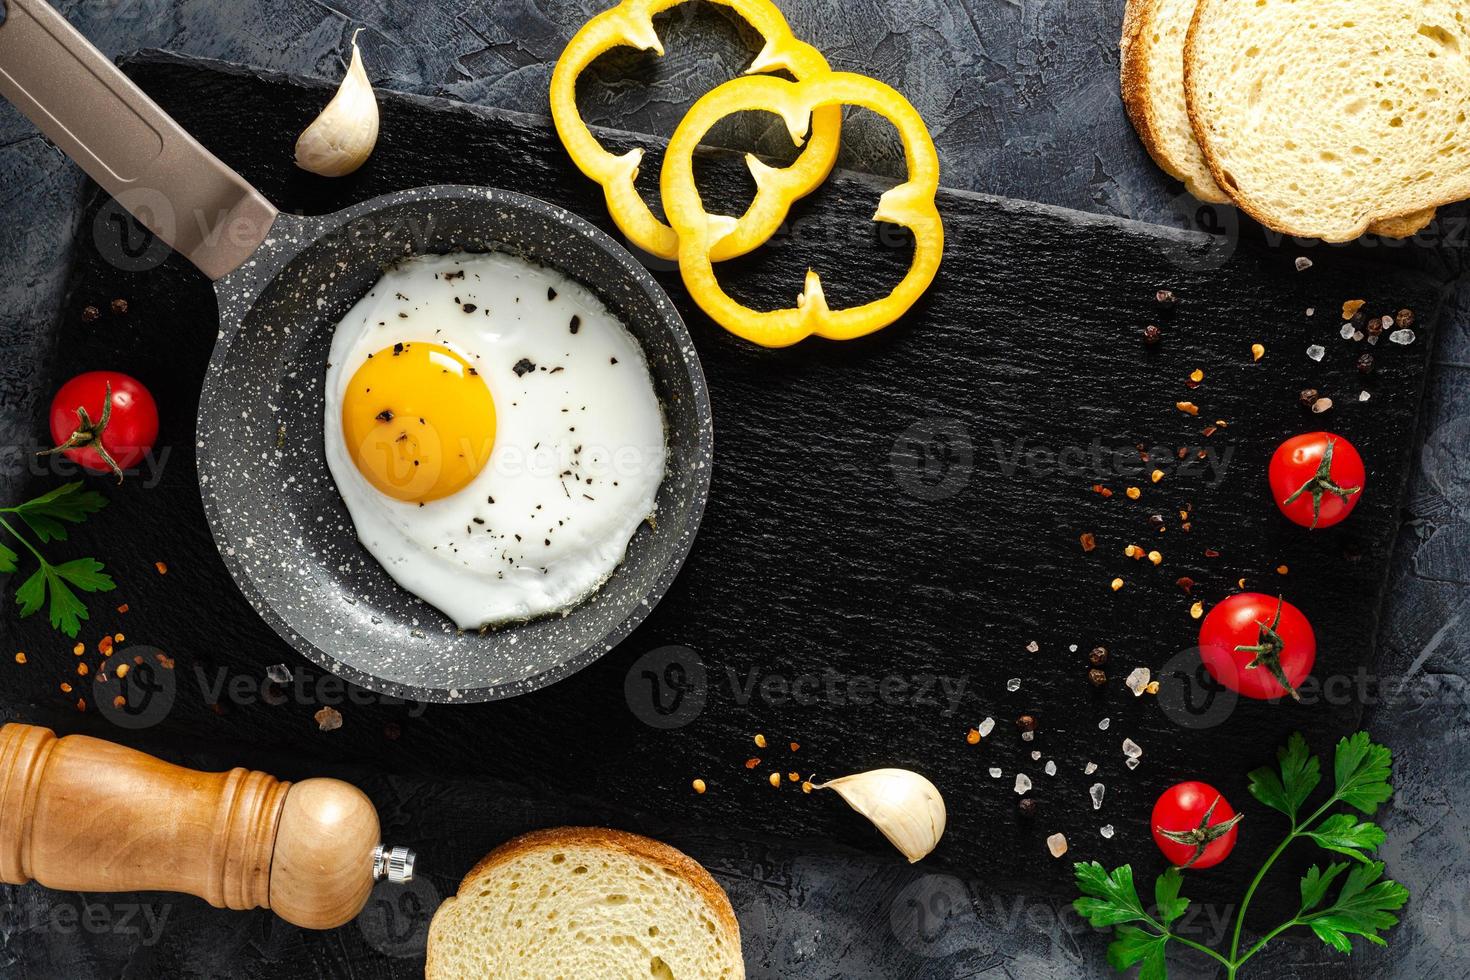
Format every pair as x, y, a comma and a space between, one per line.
905, 806
340, 139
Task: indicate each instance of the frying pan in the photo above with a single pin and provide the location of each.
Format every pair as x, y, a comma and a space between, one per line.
282, 282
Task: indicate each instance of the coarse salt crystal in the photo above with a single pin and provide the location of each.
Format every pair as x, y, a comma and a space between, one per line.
278, 674
1027, 736
1014, 684
1138, 680
1073, 648
1321, 405
1316, 351
1096, 791
1303, 263
1089, 769
1033, 646
1311, 311
986, 727
1102, 726
1131, 763
1107, 831
1035, 755
1363, 396
1131, 748
1023, 783
1401, 337
995, 772
1346, 331
1051, 767
1057, 844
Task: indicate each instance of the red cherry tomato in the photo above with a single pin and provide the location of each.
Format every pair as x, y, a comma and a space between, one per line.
1258, 645
1194, 825
1317, 478
104, 420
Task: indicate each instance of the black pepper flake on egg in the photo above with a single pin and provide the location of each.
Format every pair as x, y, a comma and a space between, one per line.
576, 323
612, 360
469, 307
386, 415
551, 292
523, 366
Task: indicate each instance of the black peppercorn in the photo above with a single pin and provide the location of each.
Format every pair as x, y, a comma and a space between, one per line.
1027, 806
1375, 327
1097, 677
1026, 723
1307, 397
1098, 656
1151, 334
90, 314
1404, 320
1165, 298
1365, 364
119, 306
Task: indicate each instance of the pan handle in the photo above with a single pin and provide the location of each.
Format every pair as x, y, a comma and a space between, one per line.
172, 185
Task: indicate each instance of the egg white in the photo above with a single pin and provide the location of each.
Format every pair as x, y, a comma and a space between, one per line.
579, 443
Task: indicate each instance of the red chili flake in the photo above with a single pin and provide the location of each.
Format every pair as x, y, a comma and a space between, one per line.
1211, 553
752, 763
1089, 541
1186, 583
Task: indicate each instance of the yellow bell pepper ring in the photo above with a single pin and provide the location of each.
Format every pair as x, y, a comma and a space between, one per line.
630, 23
910, 204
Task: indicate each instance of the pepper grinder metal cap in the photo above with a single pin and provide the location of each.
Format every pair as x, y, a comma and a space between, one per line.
393, 863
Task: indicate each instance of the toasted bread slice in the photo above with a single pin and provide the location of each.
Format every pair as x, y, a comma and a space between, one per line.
585, 903
1153, 91
1320, 117
1154, 32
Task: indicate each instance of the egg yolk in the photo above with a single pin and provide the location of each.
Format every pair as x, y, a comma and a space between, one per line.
419, 421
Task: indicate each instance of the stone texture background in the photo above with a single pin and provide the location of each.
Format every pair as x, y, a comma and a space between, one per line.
1022, 98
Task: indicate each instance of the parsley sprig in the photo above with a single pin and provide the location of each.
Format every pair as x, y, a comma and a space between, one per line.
1365, 902
47, 517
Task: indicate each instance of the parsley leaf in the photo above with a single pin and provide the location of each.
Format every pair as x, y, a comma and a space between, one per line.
1166, 896
1316, 882
1343, 833
1361, 768
87, 575
1363, 908
68, 502
66, 610
1110, 898
32, 593
47, 516
1134, 945
1300, 773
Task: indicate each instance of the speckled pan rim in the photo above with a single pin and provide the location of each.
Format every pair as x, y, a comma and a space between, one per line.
237, 293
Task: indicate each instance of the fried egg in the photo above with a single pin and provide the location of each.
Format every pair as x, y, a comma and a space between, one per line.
494, 433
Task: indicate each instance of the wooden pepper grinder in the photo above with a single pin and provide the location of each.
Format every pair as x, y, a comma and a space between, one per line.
82, 814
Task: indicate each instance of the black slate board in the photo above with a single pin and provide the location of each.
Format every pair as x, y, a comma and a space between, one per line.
866, 520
